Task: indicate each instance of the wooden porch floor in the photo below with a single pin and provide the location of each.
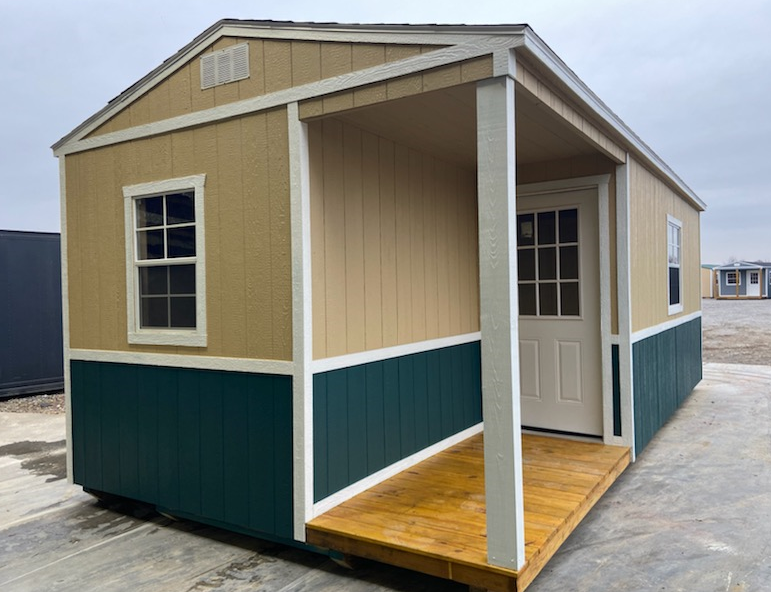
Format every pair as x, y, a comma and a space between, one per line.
431, 518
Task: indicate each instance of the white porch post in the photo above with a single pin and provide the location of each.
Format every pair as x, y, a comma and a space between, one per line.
302, 378
496, 161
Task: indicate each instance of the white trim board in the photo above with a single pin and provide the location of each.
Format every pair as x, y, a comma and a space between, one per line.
348, 81
302, 325
624, 306
387, 353
656, 329
355, 489
65, 316
253, 366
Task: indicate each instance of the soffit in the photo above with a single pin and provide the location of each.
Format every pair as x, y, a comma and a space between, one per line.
443, 123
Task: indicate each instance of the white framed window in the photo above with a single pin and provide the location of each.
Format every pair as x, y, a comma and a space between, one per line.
674, 259
732, 278
165, 262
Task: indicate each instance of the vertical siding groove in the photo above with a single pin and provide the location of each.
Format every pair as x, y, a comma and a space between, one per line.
385, 411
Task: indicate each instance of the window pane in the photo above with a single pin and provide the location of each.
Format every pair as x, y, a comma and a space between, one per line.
182, 241
183, 311
674, 285
182, 279
526, 264
525, 229
527, 299
179, 208
152, 280
546, 228
547, 263
149, 212
154, 311
569, 226
150, 244
547, 299
569, 299
569, 263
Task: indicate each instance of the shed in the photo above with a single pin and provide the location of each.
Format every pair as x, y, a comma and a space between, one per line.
708, 281
30, 313
303, 258
744, 279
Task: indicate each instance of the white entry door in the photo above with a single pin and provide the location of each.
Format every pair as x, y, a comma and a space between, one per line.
753, 286
559, 311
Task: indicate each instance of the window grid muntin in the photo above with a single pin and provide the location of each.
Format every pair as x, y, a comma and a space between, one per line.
534, 246
166, 261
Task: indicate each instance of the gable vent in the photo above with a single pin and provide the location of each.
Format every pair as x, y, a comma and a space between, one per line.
226, 65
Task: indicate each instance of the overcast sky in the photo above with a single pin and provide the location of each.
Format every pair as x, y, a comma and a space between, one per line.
692, 79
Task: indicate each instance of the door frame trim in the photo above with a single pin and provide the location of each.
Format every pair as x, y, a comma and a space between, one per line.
601, 183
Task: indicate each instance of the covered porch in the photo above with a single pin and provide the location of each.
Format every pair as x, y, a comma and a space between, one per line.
432, 517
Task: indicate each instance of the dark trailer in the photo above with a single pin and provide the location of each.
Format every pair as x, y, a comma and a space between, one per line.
30, 313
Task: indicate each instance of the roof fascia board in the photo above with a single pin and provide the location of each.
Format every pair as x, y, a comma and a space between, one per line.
351, 36
441, 57
536, 48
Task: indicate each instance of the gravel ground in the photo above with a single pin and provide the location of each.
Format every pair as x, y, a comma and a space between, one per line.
50, 404
735, 332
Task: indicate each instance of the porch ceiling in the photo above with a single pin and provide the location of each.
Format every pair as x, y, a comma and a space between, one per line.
444, 123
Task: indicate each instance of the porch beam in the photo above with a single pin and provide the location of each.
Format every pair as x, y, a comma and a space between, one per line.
496, 160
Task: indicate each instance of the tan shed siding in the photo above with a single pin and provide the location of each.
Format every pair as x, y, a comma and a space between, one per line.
651, 202
248, 264
273, 64
394, 243
397, 88
572, 168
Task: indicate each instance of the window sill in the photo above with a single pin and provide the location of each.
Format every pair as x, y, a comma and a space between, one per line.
180, 338
677, 308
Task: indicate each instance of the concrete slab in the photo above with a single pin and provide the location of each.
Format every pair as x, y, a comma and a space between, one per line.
694, 511
691, 514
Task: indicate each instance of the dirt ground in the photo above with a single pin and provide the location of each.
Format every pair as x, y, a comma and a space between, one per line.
737, 331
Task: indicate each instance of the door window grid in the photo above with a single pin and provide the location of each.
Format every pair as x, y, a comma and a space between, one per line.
548, 263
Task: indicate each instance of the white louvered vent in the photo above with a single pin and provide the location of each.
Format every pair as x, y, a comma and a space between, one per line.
226, 65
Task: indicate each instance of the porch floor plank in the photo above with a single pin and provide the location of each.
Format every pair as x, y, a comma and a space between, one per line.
431, 517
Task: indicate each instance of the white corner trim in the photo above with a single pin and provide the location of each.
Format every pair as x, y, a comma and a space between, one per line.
355, 489
624, 287
387, 353
65, 313
252, 366
606, 358
656, 329
179, 337
380, 73
302, 326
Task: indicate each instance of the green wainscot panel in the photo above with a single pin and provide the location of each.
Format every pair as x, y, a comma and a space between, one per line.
370, 416
667, 366
208, 445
